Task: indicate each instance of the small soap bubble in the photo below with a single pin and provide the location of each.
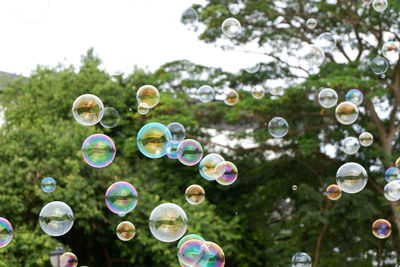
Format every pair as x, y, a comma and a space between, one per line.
48, 184
355, 96
391, 51
366, 139
177, 130
392, 174
172, 149
152, 140
195, 194
333, 192
231, 97
327, 98
121, 198
68, 259
208, 167
6, 232
189, 16
379, 65
110, 117
190, 152
278, 127
230, 174
326, 41
258, 92
350, 145
149, 95
125, 231
379, 5
98, 150
143, 109
206, 93
87, 109
311, 23
56, 218
301, 259
381, 228
346, 113
231, 27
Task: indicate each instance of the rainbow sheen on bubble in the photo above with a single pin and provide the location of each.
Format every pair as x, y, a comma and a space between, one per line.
68, 259
392, 174
231, 27
381, 228
152, 140
187, 237
98, 150
125, 231
333, 192
190, 152
87, 109
6, 232
193, 252
195, 194
355, 96
172, 149
48, 184
121, 198
148, 95
56, 218
207, 166
216, 256
231, 97
230, 174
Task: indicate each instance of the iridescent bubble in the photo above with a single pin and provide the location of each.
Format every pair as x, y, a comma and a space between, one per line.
234, 9
258, 92
187, 237
253, 69
195, 194
6, 232
393, 189
379, 65
326, 41
278, 127
172, 149
193, 252
190, 152
68, 259
56, 218
381, 228
230, 173
149, 95
168, 222
206, 93
346, 113
216, 256
311, 57
301, 259
110, 117
366, 139
48, 184
125, 231
379, 5
350, 145
351, 177
231, 97
87, 109
392, 173
231, 27
294, 187
311, 23
333, 192
355, 96
387, 192
208, 164
327, 98
177, 130
152, 140
391, 51
143, 109
98, 150
121, 198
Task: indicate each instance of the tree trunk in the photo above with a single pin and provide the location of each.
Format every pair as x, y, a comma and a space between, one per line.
318, 247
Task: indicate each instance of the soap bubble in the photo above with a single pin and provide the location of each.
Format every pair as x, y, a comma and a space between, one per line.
6, 232
231, 27
30, 11
230, 173
56, 218
379, 5
379, 65
189, 16
333, 192
172, 149
392, 173
253, 69
110, 117
350, 145
143, 109
234, 9
231, 97
311, 23
346, 113
190, 152
327, 98
216, 256
125, 231
193, 252
258, 92
177, 131
168, 222
326, 41
276, 91
149, 95
311, 57
393, 189
278, 127
381, 228
121, 198
206, 93
98, 150
48, 184
152, 140
195, 194
208, 164
68, 259
355, 96
366, 139
87, 109
351, 177
187, 237
387, 192
391, 51
301, 259
294, 187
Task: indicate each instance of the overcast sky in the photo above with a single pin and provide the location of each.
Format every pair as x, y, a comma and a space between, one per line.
122, 32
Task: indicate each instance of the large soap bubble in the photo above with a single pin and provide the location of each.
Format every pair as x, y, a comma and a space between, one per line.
149, 95
195, 194
48, 185
121, 198
152, 140
366, 139
206, 93
327, 98
350, 145
208, 164
168, 222
231, 27
311, 57
177, 130
98, 150
346, 113
379, 65
231, 97
56, 218
193, 252
190, 152
326, 41
351, 177
68, 259
230, 173
333, 192
379, 5
87, 109
301, 259
110, 117
189, 16
125, 231
258, 92
392, 173
311, 23
355, 96
381, 228
6, 232
278, 127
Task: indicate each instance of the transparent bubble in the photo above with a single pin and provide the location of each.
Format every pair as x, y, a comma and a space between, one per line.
172, 149
110, 117
294, 187
68, 259
355, 96
231, 27
87, 109
346, 113
149, 95
278, 127
379, 65
56, 218
392, 174
177, 130
333, 192
327, 98
253, 69
350, 145
152, 140
379, 5
216, 256
387, 192
189, 16
168, 222
231, 97
230, 173
208, 164
393, 189
143, 109
366, 139
351, 177
6, 232
195, 194
381, 228
234, 9
30, 11
98, 150
258, 92
125, 231
391, 51
193, 252
187, 237
326, 41
311, 23
121, 198
311, 57
190, 152
301, 259
367, 2
276, 91
206, 93
48, 185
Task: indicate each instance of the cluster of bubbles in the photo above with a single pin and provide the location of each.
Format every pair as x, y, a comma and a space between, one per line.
147, 97
390, 51
351, 144
391, 190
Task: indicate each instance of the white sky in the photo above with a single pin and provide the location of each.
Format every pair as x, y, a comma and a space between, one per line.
123, 33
